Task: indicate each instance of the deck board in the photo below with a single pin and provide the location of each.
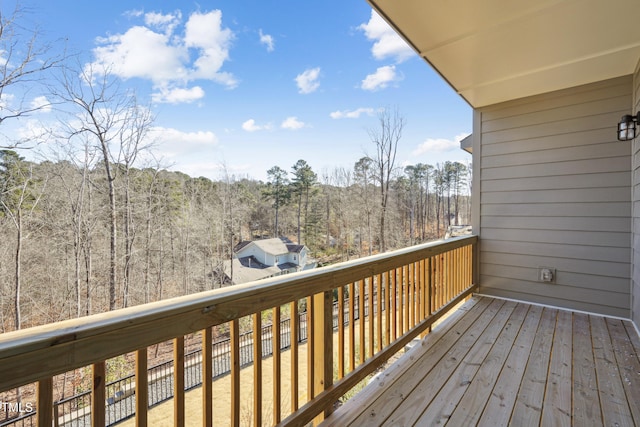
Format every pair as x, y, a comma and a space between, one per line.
472, 404
499, 363
629, 366
412, 405
528, 407
586, 400
367, 403
614, 405
556, 409
449, 396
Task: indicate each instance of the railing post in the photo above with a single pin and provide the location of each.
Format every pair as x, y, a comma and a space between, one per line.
207, 377
142, 387
323, 344
178, 382
98, 395
44, 410
475, 262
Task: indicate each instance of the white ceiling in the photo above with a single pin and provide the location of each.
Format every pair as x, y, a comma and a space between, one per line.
497, 50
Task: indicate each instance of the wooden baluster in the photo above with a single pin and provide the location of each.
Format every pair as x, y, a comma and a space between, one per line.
460, 269
257, 369
411, 299
142, 388
235, 372
277, 363
406, 303
428, 292
341, 354
323, 337
44, 411
178, 382
470, 264
387, 308
394, 304
420, 291
207, 377
452, 272
310, 348
440, 283
98, 395
352, 327
361, 321
447, 277
455, 268
295, 327
370, 317
415, 293
379, 346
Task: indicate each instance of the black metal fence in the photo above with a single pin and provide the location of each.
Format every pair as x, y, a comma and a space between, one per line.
75, 411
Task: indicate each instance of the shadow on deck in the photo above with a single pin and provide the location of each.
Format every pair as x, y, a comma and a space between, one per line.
497, 362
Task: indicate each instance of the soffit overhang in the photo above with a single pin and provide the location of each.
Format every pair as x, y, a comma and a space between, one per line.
492, 51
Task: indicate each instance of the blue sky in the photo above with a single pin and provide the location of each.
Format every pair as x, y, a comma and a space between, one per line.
254, 84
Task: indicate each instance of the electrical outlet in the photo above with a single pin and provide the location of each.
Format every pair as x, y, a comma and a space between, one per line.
546, 274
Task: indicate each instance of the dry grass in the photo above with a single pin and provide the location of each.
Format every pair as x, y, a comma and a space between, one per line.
162, 415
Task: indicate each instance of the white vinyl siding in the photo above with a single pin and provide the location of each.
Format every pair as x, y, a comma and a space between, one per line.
555, 191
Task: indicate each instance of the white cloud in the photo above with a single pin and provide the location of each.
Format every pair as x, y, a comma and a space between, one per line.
178, 95
251, 126
380, 79
167, 22
172, 61
174, 145
267, 40
292, 123
308, 81
6, 99
33, 132
204, 32
41, 103
134, 13
388, 44
143, 53
439, 145
354, 114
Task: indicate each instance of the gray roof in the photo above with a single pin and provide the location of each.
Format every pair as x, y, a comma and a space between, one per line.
242, 274
273, 246
295, 248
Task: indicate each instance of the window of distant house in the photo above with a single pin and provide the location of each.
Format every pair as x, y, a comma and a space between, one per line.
295, 258
277, 259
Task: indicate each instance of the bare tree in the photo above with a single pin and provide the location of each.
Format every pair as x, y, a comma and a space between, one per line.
385, 139
25, 61
133, 140
102, 113
18, 200
362, 176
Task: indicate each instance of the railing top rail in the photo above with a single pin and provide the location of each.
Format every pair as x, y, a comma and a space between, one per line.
34, 353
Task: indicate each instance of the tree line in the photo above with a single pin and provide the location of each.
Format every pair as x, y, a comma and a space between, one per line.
175, 231
100, 223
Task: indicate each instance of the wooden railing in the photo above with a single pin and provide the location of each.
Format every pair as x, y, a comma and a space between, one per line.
384, 301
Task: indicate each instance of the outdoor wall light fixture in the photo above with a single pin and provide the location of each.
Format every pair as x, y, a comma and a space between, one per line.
627, 127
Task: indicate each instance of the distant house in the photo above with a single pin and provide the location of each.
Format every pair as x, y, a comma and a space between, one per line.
259, 259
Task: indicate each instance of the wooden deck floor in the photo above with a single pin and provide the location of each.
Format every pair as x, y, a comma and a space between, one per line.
496, 363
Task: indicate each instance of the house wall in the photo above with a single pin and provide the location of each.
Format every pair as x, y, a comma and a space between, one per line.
259, 254
635, 291
554, 190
